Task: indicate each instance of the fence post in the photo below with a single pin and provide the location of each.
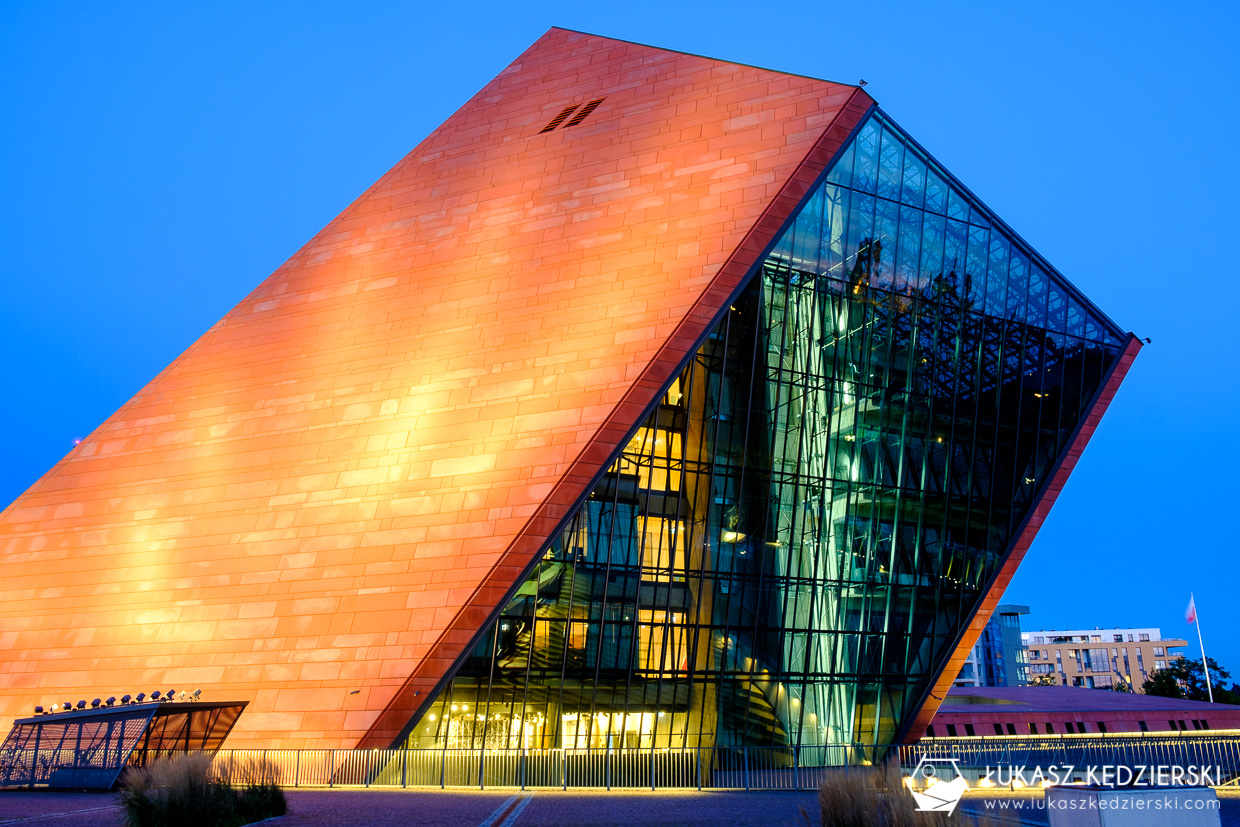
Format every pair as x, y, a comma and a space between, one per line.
796, 767
404, 767
607, 764
369, 755
297, 770
746, 759
564, 768
331, 769
443, 766
699, 765
482, 759
651, 764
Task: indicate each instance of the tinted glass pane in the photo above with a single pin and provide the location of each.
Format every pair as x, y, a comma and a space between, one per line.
841, 173
886, 223
997, 276
957, 205
936, 193
909, 258
914, 190
865, 168
891, 167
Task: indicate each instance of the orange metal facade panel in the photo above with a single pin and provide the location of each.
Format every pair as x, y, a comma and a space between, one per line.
329, 491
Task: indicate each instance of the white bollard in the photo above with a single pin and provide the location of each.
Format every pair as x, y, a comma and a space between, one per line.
1092, 806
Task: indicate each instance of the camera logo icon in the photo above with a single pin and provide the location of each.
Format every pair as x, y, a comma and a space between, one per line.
945, 784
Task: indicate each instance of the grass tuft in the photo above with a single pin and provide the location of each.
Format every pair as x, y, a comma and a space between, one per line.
183, 791
876, 797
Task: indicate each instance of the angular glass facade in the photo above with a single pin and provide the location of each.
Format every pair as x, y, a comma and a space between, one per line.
790, 547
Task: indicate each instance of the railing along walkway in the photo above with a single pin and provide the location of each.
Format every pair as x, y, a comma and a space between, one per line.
748, 768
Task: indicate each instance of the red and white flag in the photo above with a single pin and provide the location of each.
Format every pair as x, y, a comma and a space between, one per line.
1190, 614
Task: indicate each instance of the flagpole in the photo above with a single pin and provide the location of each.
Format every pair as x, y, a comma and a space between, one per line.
1205, 667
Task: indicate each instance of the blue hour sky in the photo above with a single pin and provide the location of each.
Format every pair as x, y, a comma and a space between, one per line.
157, 161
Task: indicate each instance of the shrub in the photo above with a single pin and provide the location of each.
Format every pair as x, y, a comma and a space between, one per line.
182, 791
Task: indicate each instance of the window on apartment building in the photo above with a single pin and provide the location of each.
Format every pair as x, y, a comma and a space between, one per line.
1160, 664
968, 729
1130, 638
1145, 637
1077, 680
1118, 638
1102, 681
1098, 660
1039, 639
1159, 651
1095, 638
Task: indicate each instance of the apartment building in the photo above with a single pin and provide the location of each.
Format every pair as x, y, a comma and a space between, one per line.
998, 657
1099, 658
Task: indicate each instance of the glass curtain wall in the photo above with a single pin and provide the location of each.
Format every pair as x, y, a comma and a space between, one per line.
790, 545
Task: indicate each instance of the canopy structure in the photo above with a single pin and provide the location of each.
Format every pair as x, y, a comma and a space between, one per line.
88, 748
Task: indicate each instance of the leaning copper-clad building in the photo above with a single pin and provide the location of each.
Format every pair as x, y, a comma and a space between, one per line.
651, 401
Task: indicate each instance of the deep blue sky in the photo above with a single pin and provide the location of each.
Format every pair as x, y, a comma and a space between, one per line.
158, 161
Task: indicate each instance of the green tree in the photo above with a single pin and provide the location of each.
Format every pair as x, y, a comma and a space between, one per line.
1163, 683
1184, 678
1043, 680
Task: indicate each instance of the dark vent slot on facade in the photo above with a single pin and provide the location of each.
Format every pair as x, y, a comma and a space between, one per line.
558, 119
585, 112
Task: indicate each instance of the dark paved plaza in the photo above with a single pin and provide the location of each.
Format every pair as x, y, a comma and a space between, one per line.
504, 808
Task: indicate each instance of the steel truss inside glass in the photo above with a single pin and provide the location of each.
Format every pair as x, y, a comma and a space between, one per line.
789, 548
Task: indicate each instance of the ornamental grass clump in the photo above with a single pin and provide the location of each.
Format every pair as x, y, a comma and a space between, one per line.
184, 791
877, 797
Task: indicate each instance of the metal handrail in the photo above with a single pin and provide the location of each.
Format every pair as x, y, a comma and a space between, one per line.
706, 767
